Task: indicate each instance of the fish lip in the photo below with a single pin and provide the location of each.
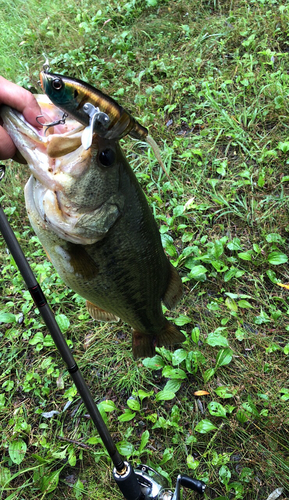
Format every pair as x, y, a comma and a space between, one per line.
40, 135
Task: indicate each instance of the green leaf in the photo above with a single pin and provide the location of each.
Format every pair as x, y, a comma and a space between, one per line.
126, 416
168, 244
92, 440
144, 440
167, 455
262, 318
208, 374
178, 210
63, 322
37, 339
285, 394
235, 244
284, 146
17, 450
48, 341
274, 238
191, 439
240, 334
244, 304
173, 385
219, 266
72, 458
224, 474
241, 416
50, 482
107, 405
272, 276
215, 338
152, 3
192, 463
195, 335
277, 258
165, 395
230, 274
5, 475
7, 317
216, 409
155, 363
143, 394
198, 273
170, 372
250, 407
78, 489
217, 249
224, 357
182, 320
231, 304
133, 404
178, 356
245, 255
205, 426
224, 392
125, 448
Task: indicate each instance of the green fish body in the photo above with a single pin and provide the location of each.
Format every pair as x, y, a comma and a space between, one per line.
93, 220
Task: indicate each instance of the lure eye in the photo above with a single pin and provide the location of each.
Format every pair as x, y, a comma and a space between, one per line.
57, 84
107, 157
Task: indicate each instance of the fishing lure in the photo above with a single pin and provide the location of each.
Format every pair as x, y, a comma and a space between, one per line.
95, 110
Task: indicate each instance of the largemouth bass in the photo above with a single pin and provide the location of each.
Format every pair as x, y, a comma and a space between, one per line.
93, 220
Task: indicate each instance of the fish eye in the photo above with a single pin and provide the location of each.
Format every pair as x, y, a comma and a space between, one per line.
57, 84
107, 157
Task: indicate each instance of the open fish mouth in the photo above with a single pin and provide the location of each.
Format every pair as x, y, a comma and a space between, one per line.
47, 150
57, 161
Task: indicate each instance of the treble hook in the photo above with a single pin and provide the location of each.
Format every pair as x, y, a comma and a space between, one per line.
61, 121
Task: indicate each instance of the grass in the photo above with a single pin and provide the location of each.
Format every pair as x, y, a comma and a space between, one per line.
209, 79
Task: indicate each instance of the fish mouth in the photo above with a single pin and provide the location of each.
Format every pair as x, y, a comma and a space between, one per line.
46, 149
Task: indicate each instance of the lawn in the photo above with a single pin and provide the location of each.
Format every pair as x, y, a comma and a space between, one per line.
210, 81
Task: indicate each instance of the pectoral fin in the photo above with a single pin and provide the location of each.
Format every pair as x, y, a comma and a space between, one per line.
100, 314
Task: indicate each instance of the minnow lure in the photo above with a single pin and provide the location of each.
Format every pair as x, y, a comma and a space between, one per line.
98, 112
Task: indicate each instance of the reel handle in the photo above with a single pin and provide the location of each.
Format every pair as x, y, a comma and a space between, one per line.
192, 484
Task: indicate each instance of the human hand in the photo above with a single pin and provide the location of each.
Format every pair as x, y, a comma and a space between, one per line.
15, 96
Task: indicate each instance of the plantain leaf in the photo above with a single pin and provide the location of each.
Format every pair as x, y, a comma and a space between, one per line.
205, 426
17, 449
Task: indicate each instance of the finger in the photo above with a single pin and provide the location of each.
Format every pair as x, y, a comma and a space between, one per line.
20, 99
7, 148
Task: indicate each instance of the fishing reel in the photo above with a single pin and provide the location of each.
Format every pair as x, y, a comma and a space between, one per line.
153, 486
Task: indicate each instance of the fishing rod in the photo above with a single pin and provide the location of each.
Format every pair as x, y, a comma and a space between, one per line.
142, 483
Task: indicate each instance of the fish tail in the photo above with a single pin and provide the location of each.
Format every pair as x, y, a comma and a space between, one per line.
143, 344
169, 335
